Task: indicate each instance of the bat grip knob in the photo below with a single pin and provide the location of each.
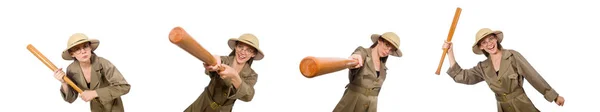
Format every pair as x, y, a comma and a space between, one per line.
221, 69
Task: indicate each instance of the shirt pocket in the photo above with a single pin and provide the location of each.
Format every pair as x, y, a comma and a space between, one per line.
513, 81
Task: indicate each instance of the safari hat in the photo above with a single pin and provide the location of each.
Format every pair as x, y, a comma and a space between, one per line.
249, 39
482, 33
392, 38
76, 39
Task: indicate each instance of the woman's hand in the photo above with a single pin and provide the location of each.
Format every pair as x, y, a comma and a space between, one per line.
357, 58
560, 101
447, 45
59, 74
88, 95
213, 68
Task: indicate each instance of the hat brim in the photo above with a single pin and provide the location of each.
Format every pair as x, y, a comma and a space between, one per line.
397, 53
258, 55
94, 44
499, 35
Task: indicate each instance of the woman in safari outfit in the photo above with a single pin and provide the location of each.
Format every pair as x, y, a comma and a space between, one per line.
366, 81
235, 82
503, 71
101, 81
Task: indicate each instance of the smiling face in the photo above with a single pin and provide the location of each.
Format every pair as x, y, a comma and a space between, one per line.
489, 44
384, 47
244, 52
81, 52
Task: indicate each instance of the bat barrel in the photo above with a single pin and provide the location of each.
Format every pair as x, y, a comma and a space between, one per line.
315, 66
181, 38
50, 65
454, 22
177, 34
41, 57
309, 67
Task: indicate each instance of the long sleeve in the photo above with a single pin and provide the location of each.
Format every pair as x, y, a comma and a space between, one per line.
466, 76
118, 84
363, 54
70, 95
534, 78
210, 74
246, 90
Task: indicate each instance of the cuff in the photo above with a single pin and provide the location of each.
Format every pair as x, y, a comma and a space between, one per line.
453, 71
103, 94
235, 93
551, 95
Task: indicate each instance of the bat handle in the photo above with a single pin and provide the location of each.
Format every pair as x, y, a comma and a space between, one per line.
351, 63
221, 69
52, 67
437, 72
72, 84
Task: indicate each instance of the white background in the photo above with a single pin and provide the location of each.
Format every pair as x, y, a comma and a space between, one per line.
557, 37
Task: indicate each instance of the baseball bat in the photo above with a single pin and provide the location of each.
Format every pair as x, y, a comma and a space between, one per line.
50, 65
315, 66
181, 38
450, 34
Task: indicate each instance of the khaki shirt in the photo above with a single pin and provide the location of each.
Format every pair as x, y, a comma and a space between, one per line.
105, 79
220, 95
508, 84
362, 91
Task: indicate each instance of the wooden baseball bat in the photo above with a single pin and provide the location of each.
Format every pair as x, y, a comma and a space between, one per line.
450, 34
181, 38
50, 65
315, 66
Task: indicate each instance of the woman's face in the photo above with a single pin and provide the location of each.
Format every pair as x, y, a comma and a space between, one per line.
384, 48
244, 52
489, 44
81, 52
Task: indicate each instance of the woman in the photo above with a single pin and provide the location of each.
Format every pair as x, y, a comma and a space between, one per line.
236, 81
101, 81
366, 81
504, 71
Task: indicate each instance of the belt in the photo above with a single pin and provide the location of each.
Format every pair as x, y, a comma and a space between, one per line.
365, 91
509, 96
214, 105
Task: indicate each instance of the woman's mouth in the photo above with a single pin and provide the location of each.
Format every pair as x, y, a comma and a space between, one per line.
490, 48
241, 57
385, 53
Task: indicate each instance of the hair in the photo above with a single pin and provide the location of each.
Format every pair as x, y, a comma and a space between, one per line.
377, 42
250, 60
383, 59
499, 46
